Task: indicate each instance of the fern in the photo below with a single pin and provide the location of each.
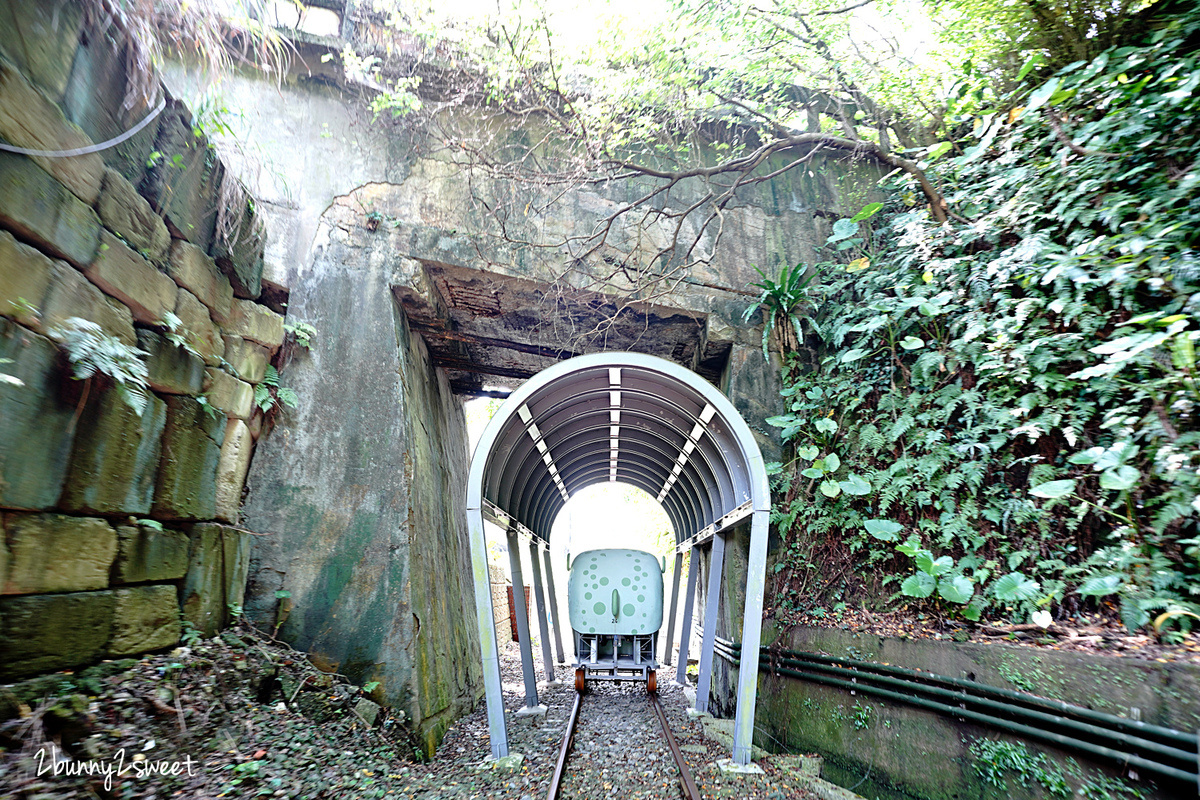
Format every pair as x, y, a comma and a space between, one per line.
90, 351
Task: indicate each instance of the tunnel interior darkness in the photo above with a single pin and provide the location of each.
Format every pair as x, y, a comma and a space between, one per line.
630, 418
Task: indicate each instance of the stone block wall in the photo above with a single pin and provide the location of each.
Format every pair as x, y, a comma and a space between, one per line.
116, 528
500, 610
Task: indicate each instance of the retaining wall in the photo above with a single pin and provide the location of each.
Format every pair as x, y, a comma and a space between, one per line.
116, 526
893, 750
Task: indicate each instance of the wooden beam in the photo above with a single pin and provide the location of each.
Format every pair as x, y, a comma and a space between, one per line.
435, 332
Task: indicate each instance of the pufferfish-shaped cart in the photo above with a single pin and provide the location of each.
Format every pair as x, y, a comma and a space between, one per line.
615, 599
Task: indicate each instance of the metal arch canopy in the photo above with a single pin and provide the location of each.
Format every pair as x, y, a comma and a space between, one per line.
636, 419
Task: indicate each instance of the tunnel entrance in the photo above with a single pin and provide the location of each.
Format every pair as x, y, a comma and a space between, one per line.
619, 417
491, 331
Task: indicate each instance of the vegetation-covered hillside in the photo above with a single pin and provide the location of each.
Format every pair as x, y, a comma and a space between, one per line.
997, 416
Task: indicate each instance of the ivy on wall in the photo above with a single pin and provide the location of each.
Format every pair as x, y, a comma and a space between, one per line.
998, 415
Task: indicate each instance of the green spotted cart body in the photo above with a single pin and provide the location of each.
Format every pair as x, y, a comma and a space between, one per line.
615, 599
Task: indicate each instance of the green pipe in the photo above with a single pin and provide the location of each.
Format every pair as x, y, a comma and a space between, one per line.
1066, 709
1131, 742
1025, 731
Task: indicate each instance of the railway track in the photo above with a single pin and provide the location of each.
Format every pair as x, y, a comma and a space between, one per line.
686, 784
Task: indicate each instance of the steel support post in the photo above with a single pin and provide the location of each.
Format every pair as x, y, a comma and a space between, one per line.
712, 599
539, 602
671, 611
747, 691
486, 619
553, 598
689, 603
514, 562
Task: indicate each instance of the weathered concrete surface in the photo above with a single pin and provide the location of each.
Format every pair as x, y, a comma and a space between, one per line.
348, 532
447, 677
72, 295
231, 470
124, 211
115, 458
40, 209
195, 271
127, 276
28, 119
35, 419
912, 752
146, 554
191, 448
57, 553
39, 633
171, 369
25, 276
218, 564
144, 618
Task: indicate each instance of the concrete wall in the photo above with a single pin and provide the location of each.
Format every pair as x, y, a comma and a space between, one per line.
899, 751
363, 494
115, 525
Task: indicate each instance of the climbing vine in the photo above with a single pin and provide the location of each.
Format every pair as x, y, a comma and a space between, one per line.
998, 415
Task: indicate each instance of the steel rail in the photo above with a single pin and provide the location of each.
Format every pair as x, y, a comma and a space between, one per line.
568, 739
686, 782
690, 791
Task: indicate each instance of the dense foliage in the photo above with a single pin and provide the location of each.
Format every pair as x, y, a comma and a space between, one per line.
999, 414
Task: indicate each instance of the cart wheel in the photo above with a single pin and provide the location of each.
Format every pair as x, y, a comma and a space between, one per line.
580, 680
652, 682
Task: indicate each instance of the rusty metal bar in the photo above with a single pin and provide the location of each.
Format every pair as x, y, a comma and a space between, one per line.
568, 739
685, 776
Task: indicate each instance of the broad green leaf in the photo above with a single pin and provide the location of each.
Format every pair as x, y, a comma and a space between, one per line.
853, 354
918, 585
831, 462
842, 229
912, 343
774, 467
781, 421
1032, 62
1120, 478
911, 546
1101, 585
827, 425
934, 566
1015, 586
1053, 489
855, 485
1041, 618
813, 472
1042, 94
928, 309
956, 589
808, 452
830, 488
884, 530
869, 210
973, 612
938, 150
